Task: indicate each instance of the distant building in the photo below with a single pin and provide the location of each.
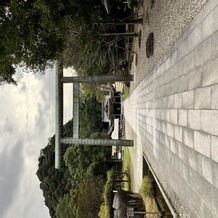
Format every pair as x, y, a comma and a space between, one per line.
111, 109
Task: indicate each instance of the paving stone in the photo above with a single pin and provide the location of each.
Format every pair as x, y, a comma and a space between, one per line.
164, 102
214, 97
194, 119
173, 116
202, 143
183, 48
194, 200
170, 101
184, 141
215, 201
174, 146
186, 168
194, 79
207, 169
182, 83
188, 137
203, 98
188, 100
214, 43
206, 211
178, 100
168, 64
167, 115
189, 62
195, 38
215, 174
214, 148
193, 159
209, 24
183, 120
173, 88
203, 53
170, 130
210, 73
203, 188
178, 70
174, 57
167, 141
178, 133
209, 121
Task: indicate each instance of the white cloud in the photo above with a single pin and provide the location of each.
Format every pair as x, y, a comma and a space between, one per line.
27, 115
27, 121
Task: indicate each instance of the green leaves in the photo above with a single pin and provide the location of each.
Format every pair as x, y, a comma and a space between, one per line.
6, 72
86, 161
62, 187
37, 32
32, 33
82, 202
66, 207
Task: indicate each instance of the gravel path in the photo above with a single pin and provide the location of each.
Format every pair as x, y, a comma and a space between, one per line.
167, 19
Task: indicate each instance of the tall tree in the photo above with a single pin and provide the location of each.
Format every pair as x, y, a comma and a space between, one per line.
34, 33
90, 197
54, 183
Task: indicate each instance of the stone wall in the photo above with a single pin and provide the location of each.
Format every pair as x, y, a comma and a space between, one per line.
174, 113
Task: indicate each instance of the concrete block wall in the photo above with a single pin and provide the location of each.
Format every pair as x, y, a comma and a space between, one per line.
174, 113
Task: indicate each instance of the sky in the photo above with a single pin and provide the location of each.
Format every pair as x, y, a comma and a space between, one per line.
27, 121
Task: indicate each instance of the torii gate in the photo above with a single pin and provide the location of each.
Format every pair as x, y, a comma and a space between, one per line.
59, 139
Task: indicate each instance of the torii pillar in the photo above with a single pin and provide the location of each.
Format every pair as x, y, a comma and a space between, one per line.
59, 139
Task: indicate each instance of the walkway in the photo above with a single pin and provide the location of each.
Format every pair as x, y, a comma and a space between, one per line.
173, 117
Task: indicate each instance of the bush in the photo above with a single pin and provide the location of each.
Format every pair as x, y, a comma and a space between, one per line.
90, 197
147, 188
104, 210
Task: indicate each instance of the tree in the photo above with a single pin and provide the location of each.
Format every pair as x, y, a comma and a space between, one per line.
81, 161
89, 121
35, 33
7, 71
30, 35
66, 207
92, 90
90, 197
54, 183
83, 201
86, 161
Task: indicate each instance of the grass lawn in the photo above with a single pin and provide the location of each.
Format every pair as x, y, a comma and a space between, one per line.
127, 167
147, 188
125, 91
104, 210
147, 193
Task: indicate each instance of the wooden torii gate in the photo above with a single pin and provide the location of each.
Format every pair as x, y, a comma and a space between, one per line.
59, 139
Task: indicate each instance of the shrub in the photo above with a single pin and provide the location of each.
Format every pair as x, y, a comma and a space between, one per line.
147, 188
104, 210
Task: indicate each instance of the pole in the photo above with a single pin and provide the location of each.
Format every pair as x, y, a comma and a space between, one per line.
59, 113
76, 110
